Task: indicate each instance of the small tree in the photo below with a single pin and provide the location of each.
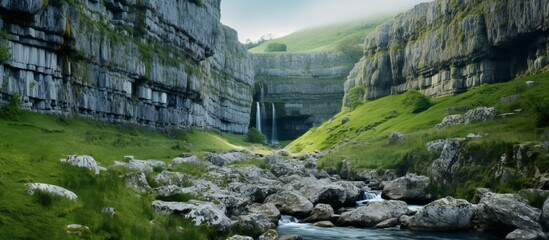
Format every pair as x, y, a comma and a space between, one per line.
11, 110
255, 136
356, 94
417, 101
276, 47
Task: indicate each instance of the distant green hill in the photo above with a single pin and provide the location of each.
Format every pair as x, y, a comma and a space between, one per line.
325, 38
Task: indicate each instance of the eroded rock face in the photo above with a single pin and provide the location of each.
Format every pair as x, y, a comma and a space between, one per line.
192, 71
420, 49
373, 213
410, 188
445, 214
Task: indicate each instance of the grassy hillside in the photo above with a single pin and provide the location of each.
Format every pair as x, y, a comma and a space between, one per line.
365, 134
324, 38
30, 149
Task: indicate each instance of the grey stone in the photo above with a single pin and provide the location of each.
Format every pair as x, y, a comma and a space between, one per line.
324, 224
373, 213
84, 162
77, 229
254, 224
291, 203
389, 223
410, 188
445, 214
198, 211
395, 137
271, 234
525, 234
320, 212
268, 209
51, 189
240, 237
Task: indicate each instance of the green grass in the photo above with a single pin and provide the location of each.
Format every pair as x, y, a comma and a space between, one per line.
369, 125
30, 149
324, 38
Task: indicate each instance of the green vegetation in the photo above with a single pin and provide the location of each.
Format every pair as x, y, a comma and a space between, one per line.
356, 94
324, 38
416, 100
30, 149
5, 50
255, 136
276, 47
350, 47
12, 110
360, 136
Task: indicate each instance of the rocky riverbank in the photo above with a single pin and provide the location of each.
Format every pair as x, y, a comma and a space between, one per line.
233, 195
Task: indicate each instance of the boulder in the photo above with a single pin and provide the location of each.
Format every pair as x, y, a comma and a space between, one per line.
50, 189
197, 211
271, 234
507, 211
268, 209
291, 202
324, 224
325, 191
187, 160
373, 213
451, 120
544, 219
240, 237
137, 181
525, 234
278, 166
479, 114
395, 137
409, 188
346, 170
446, 214
84, 162
389, 223
144, 166
435, 145
172, 178
77, 229
227, 158
320, 212
352, 192
445, 163
253, 224
290, 237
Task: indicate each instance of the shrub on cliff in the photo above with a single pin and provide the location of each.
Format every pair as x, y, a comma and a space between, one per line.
350, 47
255, 136
417, 101
11, 110
355, 96
276, 47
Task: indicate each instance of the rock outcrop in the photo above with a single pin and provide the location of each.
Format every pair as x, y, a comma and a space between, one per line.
373, 213
306, 89
445, 214
448, 46
410, 188
50, 189
166, 64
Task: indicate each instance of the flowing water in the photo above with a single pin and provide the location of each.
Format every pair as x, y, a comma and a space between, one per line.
288, 225
258, 117
274, 139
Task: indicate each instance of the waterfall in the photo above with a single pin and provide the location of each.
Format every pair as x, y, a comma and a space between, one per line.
273, 126
369, 196
261, 105
258, 117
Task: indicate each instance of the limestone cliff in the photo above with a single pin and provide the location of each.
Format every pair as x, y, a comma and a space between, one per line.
168, 64
306, 89
449, 46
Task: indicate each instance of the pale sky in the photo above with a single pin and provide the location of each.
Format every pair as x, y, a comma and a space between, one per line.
254, 18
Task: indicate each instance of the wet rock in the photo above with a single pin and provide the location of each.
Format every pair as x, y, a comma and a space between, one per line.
373, 213
324, 224
291, 202
409, 188
352, 192
271, 234
320, 212
253, 224
446, 214
525, 234
268, 209
325, 192
497, 211
389, 223
84, 162
544, 219
50, 189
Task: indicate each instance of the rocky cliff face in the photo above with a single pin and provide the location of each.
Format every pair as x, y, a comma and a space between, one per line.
448, 46
306, 89
168, 64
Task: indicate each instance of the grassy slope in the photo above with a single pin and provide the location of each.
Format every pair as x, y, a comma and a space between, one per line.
324, 38
370, 124
30, 149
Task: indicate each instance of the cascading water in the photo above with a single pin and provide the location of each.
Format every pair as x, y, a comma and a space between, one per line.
369, 196
258, 117
274, 139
